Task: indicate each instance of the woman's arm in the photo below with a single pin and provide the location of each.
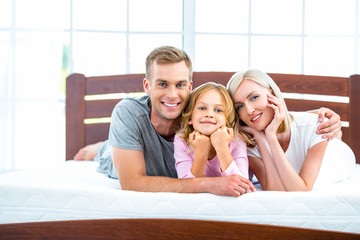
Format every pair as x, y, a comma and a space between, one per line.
312, 163
304, 181
271, 181
287, 174
264, 168
292, 181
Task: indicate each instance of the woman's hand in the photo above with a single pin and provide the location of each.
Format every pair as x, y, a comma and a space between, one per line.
222, 137
279, 115
258, 135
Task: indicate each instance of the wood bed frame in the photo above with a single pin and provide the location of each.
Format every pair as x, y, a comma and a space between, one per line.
79, 134
162, 229
78, 86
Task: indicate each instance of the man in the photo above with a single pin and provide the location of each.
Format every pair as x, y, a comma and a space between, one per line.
140, 148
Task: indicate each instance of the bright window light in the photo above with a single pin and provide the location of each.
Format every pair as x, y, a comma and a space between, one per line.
155, 15
5, 13
226, 16
335, 56
99, 53
330, 17
276, 17
276, 54
100, 15
221, 53
42, 14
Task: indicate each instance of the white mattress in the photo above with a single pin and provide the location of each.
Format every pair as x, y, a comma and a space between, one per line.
74, 190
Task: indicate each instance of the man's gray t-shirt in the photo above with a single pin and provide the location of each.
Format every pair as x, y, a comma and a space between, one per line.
131, 129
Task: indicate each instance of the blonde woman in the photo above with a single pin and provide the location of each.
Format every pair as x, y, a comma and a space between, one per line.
286, 153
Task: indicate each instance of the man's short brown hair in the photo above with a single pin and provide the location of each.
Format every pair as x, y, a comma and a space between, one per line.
166, 55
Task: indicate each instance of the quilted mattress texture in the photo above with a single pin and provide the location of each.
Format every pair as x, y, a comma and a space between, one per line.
74, 190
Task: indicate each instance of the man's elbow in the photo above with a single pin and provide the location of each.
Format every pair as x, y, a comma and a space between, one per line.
131, 184
126, 185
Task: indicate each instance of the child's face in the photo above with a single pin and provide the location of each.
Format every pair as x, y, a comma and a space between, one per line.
208, 114
251, 103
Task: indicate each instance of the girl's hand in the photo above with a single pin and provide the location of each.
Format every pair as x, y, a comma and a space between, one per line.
279, 115
200, 142
222, 137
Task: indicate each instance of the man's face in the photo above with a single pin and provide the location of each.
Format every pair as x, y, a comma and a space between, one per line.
169, 90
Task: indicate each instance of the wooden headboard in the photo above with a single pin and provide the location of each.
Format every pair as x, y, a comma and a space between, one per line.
87, 121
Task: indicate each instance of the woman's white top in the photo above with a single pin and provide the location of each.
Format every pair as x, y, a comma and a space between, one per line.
338, 162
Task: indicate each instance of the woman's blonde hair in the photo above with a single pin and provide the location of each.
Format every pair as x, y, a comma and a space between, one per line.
266, 81
230, 115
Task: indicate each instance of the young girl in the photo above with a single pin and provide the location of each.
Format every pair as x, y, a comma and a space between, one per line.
205, 145
288, 154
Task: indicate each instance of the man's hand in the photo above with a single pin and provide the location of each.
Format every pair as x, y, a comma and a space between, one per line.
234, 185
332, 128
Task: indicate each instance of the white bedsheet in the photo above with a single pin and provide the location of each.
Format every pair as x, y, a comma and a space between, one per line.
74, 190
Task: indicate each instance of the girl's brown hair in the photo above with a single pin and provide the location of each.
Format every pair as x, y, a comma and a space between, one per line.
230, 114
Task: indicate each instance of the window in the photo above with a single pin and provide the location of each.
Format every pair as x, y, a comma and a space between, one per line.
317, 37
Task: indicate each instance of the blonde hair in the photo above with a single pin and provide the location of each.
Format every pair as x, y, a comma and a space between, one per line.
266, 81
230, 114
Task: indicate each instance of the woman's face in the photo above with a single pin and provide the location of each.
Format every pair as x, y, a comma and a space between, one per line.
251, 103
208, 114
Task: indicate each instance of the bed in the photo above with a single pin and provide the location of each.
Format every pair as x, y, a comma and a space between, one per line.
73, 200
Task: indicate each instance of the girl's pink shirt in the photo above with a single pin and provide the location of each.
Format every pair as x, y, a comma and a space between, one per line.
184, 157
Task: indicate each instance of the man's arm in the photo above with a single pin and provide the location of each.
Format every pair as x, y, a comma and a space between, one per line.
330, 129
130, 166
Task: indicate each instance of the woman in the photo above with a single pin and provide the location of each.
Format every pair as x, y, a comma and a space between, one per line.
286, 153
